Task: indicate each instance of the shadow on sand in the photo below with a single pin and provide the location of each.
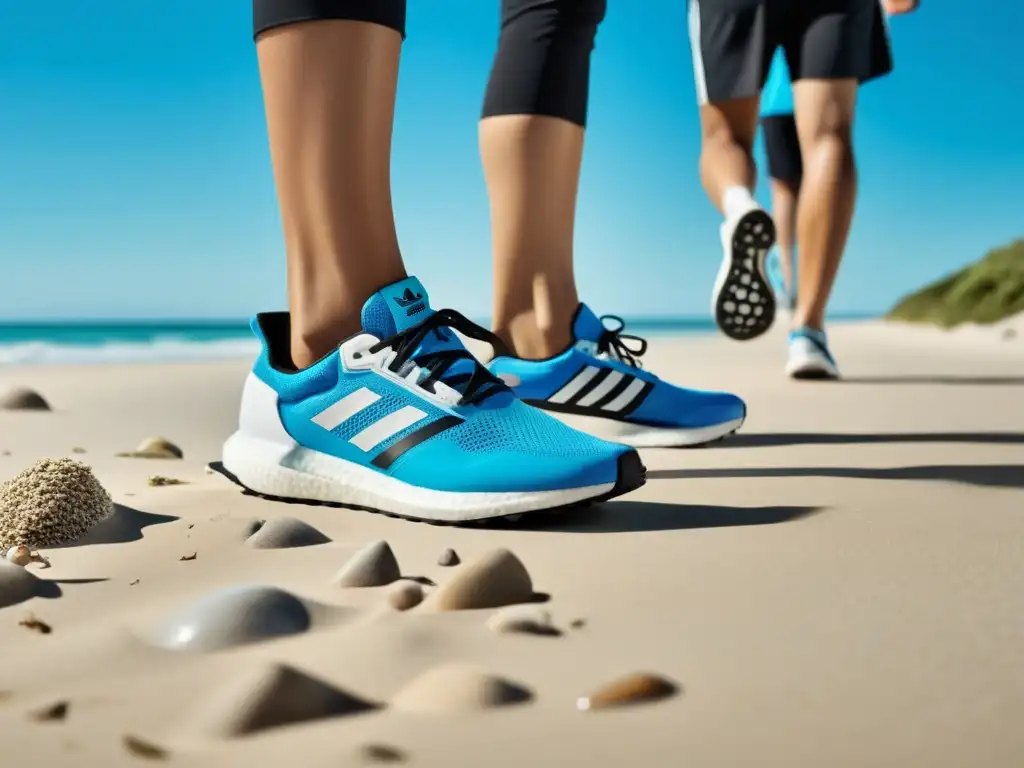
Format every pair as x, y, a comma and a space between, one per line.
124, 525
986, 475
638, 516
774, 439
961, 381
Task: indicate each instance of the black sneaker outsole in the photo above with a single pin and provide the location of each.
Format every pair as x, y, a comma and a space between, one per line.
813, 375
631, 475
748, 277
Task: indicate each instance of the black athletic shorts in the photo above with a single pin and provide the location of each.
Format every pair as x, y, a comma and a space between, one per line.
733, 42
782, 148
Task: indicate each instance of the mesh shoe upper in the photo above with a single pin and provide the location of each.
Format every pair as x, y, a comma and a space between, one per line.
386, 419
600, 375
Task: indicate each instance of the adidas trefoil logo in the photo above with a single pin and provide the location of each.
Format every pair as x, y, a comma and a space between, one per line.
411, 302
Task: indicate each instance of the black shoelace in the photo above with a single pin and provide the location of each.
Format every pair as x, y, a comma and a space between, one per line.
479, 385
613, 340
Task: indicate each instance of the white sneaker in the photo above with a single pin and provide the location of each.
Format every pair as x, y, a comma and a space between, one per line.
809, 357
743, 303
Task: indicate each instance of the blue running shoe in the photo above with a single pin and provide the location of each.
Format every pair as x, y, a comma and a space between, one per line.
809, 357
600, 376
403, 420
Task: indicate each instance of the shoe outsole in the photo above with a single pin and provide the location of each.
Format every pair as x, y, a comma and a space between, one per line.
631, 475
813, 374
745, 273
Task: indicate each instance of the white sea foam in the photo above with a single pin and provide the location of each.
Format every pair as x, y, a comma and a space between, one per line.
159, 351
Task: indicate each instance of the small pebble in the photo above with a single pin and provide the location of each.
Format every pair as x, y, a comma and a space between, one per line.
448, 558
19, 555
381, 753
143, 749
524, 619
133, 583
57, 711
78, 450
159, 480
405, 595
631, 689
154, 448
578, 623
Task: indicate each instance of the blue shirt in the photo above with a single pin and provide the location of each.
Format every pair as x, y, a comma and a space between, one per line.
777, 96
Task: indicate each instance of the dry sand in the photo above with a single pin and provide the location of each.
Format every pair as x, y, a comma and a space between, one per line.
841, 584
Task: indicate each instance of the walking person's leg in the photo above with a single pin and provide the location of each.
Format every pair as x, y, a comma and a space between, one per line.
842, 44
732, 47
785, 170
361, 396
562, 356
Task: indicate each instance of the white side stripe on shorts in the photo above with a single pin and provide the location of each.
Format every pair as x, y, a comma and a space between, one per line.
699, 76
627, 396
574, 385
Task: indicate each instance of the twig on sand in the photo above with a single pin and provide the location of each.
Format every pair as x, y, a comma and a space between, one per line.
36, 625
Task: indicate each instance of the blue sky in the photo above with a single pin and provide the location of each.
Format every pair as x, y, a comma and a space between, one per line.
135, 178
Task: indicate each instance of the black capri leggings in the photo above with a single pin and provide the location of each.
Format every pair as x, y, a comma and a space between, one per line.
542, 66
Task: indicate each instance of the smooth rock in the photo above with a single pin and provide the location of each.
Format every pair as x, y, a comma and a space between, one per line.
372, 566
286, 533
406, 595
23, 399
458, 689
637, 688
494, 580
448, 558
234, 617
265, 697
155, 448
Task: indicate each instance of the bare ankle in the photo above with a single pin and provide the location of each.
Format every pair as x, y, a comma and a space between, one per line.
309, 343
529, 340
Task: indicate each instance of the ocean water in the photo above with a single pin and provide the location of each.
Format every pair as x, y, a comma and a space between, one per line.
42, 343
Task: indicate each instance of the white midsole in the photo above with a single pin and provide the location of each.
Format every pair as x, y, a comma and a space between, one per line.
294, 472
642, 436
798, 364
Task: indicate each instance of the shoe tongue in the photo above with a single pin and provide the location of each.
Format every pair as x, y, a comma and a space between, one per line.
587, 326
395, 308
404, 305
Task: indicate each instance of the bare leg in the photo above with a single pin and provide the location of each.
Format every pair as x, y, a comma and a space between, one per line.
784, 199
531, 144
824, 119
329, 91
532, 167
726, 154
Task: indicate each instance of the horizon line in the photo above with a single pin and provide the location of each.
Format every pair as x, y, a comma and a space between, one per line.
244, 322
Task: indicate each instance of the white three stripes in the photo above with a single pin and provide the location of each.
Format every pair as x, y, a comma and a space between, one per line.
613, 379
601, 389
376, 433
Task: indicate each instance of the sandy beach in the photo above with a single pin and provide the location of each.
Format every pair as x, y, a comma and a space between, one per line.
840, 584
